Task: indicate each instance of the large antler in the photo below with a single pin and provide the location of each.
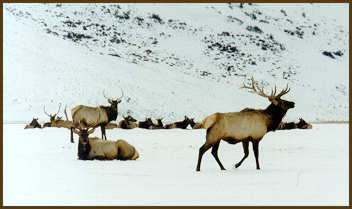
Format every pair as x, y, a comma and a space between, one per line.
46, 112
110, 100
121, 95
283, 92
58, 109
260, 91
54, 114
66, 112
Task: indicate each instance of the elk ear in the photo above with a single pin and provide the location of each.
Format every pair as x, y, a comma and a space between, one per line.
118, 101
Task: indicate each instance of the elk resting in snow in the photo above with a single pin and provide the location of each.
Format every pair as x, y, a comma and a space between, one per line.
95, 116
244, 126
56, 121
180, 124
159, 124
33, 124
302, 124
128, 123
90, 148
51, 116
145, 124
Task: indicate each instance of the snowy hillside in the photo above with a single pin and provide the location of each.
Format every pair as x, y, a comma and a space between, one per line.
172, 60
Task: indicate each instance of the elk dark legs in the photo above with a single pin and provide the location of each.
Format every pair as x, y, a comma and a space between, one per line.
202, 150
72, 135
255, 144
246, 152
214, 152
103, 135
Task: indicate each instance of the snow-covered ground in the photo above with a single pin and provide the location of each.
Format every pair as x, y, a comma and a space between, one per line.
298, 167
172, 60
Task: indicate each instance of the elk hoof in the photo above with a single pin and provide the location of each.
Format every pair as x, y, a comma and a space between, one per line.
237, 165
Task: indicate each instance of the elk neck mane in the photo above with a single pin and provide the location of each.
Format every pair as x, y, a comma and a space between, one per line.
83, 153
276, 114
111, 111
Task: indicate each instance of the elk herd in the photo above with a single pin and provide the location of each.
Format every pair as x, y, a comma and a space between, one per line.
246, 126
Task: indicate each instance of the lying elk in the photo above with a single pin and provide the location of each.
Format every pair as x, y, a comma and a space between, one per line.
33, 124
90, 148
180, 124
95, 116
159, 124
146, 123
244, 126
57, 121
128, 123
302, 124
52, 117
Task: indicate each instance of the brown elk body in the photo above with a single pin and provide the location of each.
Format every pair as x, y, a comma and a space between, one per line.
128, 123
90, 148
95, 116
33, 124
245, 126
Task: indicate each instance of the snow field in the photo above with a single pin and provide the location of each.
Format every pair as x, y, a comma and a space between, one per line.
298, 167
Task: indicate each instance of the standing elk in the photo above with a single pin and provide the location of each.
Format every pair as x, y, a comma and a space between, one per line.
90, 148
34, 124
179, 124
245, 126
56, 121
95, 116
128, 123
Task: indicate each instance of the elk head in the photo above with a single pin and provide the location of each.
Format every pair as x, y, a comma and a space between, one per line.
188, 120
83, 144
114, 102
303, 124
274, 98
53, 117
